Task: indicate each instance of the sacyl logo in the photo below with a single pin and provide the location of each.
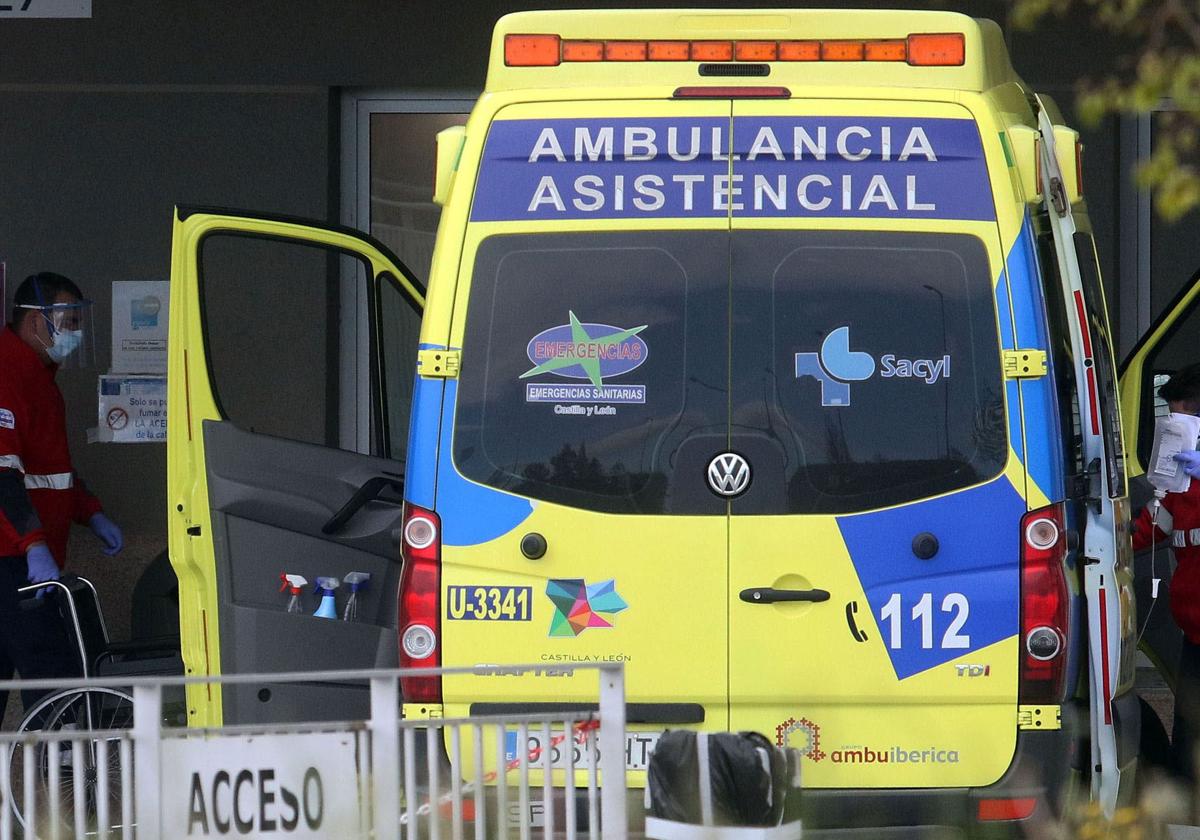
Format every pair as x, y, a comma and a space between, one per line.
836, 366
728, 474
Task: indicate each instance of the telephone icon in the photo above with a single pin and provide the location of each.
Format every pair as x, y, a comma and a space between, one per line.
851, 611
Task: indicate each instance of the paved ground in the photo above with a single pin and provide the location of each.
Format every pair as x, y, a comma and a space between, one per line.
1152, 689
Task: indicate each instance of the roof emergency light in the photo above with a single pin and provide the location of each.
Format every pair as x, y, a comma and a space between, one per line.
924, 49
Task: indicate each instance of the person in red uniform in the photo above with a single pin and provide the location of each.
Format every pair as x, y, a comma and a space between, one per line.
1179, 522
40, 494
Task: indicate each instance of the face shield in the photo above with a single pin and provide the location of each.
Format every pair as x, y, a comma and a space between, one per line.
65, 330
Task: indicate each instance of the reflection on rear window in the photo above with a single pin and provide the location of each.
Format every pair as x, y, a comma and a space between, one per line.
595, 369
853, 370
867, 368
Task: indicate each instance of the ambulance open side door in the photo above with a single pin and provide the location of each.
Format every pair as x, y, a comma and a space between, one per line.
275, 465
1108, 562
1170, 344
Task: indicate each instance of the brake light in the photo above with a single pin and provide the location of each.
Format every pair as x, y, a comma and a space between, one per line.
918, 50
1006, 809
1044, 605
420, 596
731, 92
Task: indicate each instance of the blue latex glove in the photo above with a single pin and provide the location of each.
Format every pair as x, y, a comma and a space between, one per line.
41, 566
107, 532
1190, 459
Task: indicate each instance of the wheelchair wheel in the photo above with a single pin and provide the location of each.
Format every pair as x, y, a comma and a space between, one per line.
78, 709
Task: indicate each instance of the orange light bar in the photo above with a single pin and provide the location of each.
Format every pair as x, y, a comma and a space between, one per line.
531, 50
624, 50
919, 50
800, 51
886, 51
756, 51
842, 50
1006, 809
937, 50
583, 51
731, 92
669, 50
712, 51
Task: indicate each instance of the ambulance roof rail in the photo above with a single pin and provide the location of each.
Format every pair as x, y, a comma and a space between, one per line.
665, 49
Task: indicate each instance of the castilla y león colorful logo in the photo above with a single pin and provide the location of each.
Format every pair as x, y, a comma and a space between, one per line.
579, 606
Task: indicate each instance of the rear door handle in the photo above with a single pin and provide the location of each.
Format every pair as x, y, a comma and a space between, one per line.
768, 595
370, 489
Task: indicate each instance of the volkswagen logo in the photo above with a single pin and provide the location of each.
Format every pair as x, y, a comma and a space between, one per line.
728, 474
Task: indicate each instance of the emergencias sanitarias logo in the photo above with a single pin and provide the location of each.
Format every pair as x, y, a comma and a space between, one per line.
586, 351
835, 366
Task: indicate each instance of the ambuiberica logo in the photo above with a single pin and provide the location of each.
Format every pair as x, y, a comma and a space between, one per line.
835, 366
585, 351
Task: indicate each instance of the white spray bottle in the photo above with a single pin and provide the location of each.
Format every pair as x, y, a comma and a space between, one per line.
325, 588
296, 583
356, 581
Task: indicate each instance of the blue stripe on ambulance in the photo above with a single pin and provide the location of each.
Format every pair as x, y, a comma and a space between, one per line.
1042, 438
978, 535
471, 513
1011, 393
420, 467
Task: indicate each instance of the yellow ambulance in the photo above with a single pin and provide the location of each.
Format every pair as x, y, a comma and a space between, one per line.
764, 352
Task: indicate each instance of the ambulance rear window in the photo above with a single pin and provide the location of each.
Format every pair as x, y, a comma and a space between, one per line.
866, 368
853, 370
595, 369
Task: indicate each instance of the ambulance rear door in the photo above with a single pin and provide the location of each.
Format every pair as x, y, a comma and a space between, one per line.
592, 316
874, 594
1108, 552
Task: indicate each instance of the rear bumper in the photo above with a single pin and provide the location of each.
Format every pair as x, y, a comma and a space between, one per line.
1048, 767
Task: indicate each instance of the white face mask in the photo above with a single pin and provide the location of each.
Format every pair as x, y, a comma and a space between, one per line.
66, 342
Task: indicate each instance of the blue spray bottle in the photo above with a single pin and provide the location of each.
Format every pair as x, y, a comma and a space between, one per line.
324, 588
356, 581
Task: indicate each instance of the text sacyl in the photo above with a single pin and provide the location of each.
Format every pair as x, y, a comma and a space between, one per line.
929, 370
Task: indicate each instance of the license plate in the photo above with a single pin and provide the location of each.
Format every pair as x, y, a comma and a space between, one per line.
638, 746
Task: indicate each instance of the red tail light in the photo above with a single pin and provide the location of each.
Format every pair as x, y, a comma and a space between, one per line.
1044, 605
420, 596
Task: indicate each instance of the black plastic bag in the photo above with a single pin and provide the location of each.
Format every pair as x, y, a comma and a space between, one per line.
749, 778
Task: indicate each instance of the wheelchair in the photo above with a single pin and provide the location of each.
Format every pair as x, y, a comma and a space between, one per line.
50, 766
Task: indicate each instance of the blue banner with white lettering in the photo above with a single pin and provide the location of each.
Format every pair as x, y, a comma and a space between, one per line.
855, 167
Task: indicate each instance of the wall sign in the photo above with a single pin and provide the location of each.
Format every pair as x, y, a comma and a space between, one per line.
46, 8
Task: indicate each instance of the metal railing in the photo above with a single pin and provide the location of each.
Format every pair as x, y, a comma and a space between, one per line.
383, 778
